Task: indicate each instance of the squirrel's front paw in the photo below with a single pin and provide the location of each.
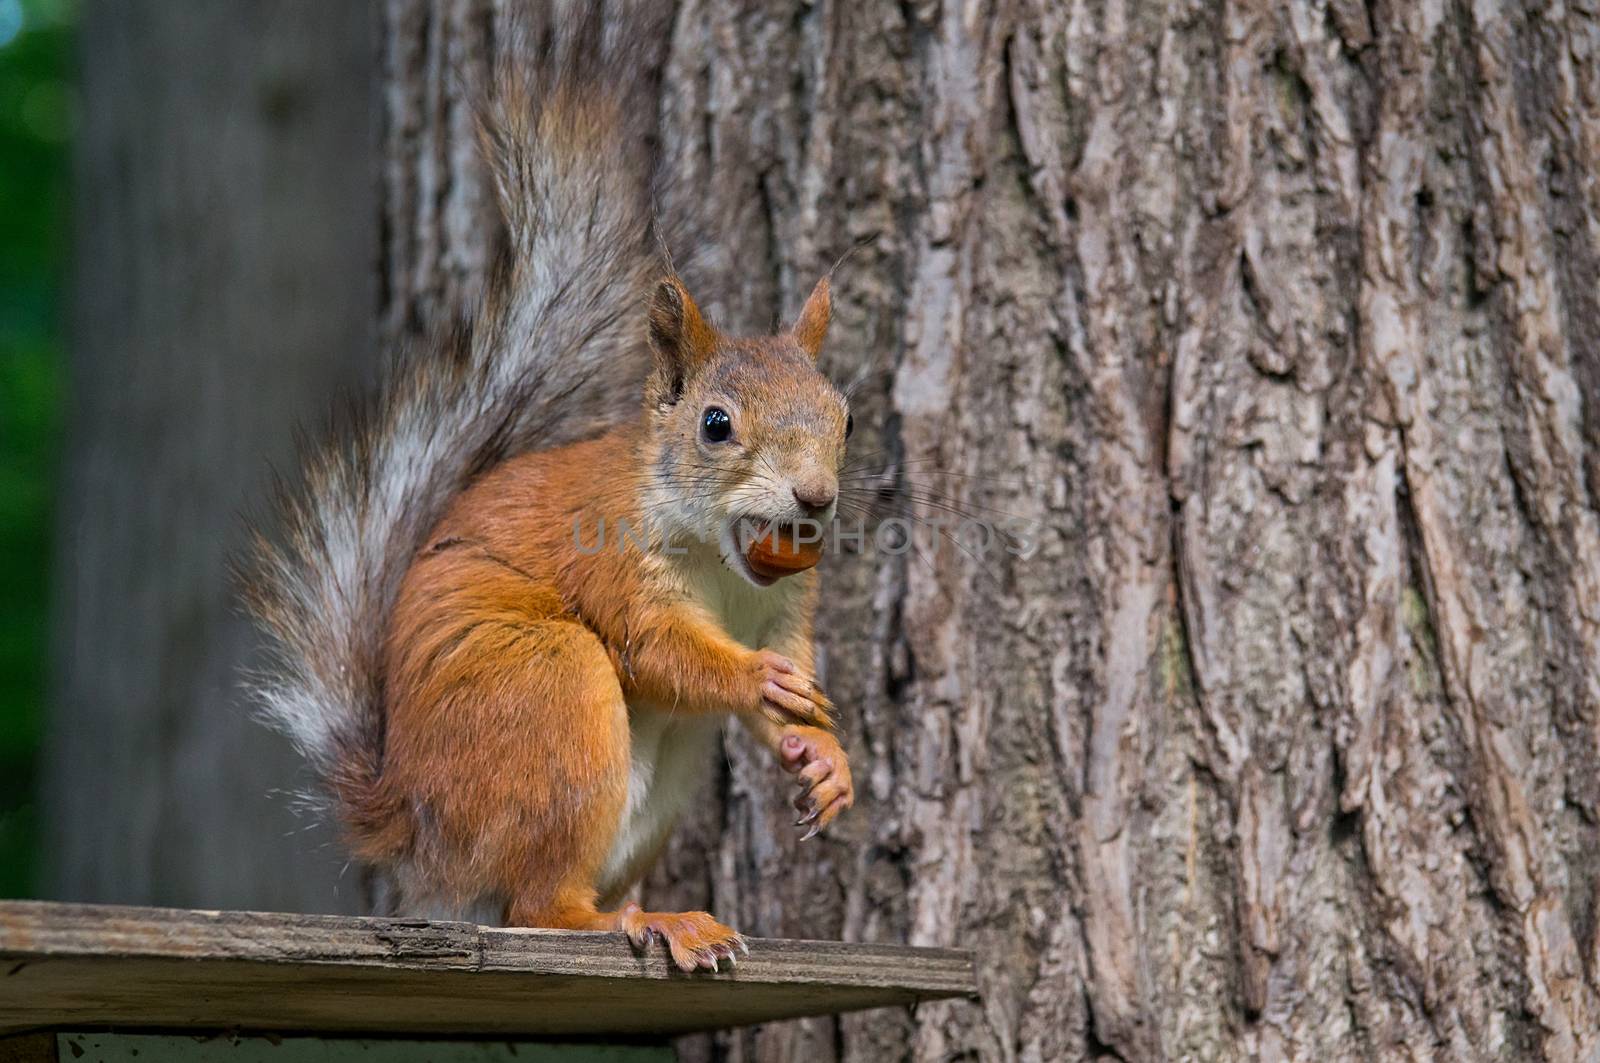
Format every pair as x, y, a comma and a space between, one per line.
824, 771
787, 697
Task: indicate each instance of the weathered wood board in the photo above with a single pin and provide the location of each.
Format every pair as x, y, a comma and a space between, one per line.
97, 1047
75, 966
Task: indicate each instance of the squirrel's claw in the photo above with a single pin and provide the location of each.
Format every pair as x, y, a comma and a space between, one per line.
694, 940
788, 697
786, 707
822, 777
711, 956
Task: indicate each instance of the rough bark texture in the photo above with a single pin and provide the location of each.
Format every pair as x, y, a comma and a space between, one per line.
223, 291
1282, 319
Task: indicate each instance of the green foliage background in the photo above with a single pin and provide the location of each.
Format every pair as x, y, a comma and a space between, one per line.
36, 117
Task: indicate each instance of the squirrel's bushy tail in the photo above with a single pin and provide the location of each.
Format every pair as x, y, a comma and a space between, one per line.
556, 351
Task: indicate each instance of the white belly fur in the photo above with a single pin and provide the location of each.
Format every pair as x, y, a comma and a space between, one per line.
672, 758
672, 751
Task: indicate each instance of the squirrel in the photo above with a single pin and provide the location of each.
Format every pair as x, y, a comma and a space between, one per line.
505, 719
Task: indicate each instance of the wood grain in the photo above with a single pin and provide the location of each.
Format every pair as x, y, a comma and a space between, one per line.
74, 966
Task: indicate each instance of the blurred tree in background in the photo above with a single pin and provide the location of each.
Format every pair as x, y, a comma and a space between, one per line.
222, 290
36, 112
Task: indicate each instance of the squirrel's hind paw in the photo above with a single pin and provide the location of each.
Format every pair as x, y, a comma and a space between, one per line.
695, 940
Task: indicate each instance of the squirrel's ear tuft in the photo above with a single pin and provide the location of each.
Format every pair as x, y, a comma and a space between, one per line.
680, 338
812, 326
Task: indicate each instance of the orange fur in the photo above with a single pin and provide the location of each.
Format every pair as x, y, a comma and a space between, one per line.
812, 326
514, 656
499, 719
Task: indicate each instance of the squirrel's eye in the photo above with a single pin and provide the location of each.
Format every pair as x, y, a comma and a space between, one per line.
716, 425
849, 424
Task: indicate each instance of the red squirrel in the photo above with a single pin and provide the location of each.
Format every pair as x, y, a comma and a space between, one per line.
507, 717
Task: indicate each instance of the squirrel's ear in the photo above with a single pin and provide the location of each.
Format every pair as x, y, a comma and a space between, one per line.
680, 338
812, 326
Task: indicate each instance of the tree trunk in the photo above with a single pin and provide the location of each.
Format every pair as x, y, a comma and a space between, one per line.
1279, 319
223, 291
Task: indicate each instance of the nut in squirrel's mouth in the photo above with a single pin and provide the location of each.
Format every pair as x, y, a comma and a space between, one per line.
771, 550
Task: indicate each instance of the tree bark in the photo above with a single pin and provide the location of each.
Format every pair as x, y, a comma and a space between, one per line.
1280, 321
223, 291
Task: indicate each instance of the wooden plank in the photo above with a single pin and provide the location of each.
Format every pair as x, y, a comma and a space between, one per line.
79, 1047
73, 966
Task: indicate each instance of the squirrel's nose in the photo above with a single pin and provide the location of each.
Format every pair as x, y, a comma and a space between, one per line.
816, 496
